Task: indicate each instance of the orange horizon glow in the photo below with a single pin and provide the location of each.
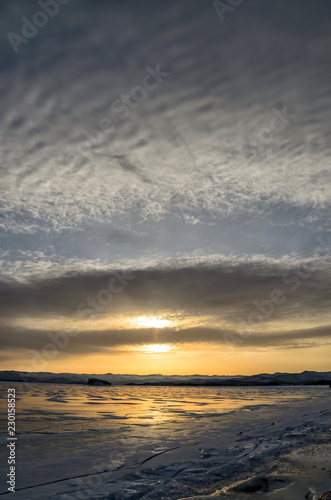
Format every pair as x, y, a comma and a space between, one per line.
161, 356
206, 359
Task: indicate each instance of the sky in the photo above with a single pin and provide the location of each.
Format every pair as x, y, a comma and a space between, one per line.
165, 186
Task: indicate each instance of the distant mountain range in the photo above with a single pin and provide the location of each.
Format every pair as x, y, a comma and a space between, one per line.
263, 379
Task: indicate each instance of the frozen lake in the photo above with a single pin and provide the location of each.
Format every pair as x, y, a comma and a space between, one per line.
78, 441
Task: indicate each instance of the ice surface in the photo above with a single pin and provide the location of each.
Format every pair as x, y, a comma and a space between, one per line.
155, 442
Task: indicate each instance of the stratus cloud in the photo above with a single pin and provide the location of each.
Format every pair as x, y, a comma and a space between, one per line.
228, 293
109, 340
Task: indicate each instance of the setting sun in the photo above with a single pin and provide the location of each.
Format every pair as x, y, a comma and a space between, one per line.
156, 348
151, 322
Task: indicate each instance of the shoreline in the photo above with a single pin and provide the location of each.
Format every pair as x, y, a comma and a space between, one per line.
234, 386
303, 473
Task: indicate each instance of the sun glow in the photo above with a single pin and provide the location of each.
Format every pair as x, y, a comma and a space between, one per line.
151, 322
156, 348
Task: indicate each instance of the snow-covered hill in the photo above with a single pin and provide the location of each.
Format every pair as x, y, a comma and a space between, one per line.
304, 378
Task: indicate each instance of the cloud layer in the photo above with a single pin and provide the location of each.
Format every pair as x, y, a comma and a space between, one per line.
152, 138
244, 305
234, 142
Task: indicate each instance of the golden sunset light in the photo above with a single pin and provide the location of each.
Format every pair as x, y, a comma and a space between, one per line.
140, 208
151, 322
156, 348
165, 262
